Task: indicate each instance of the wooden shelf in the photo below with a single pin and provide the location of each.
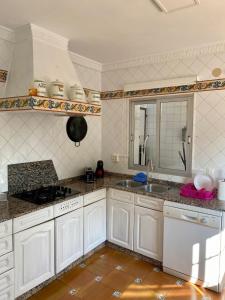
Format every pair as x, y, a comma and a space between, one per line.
50, 105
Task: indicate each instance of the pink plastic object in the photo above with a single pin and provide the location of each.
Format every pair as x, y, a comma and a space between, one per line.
189, 190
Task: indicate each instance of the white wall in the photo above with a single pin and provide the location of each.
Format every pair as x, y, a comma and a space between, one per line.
6, 51
209, 110
35, 136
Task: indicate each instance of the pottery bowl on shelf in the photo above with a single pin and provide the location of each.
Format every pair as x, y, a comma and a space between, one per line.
94, 97
77, 93
56, 89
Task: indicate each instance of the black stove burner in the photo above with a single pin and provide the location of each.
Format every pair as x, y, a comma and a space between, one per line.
46, 194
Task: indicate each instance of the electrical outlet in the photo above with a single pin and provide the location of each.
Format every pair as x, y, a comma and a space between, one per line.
115, 157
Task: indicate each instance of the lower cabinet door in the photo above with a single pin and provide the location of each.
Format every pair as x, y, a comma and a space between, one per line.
120, 223
69, 238
7, 294
148, 232
34, 256
94, 225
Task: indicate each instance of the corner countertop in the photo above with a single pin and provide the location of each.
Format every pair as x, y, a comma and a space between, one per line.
13, 207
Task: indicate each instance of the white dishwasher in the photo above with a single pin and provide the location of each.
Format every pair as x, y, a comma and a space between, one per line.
192, 243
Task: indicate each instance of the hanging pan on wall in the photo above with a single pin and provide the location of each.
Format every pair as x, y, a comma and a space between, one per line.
76, 129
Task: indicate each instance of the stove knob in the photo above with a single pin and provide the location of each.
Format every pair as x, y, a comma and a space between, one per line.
69, 190
65, 190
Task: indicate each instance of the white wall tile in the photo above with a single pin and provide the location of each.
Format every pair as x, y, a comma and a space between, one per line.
37, 136
209, 111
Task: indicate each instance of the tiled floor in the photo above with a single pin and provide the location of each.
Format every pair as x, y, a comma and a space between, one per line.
110, 274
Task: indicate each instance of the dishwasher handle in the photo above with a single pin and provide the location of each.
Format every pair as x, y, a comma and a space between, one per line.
189, 218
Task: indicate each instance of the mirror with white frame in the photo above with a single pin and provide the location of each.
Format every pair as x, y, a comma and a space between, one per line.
161, 133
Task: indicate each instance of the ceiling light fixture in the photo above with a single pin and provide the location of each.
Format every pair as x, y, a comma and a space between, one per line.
168, 6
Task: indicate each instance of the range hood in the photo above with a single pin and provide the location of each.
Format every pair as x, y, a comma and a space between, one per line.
40, 54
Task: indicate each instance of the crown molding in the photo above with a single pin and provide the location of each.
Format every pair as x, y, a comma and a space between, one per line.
86, 62
7, 34
209, 49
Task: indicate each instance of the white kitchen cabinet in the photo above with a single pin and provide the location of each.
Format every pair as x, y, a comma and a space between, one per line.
6, 281
69, 238
148, 232
94, 225
6, 262
7, 294
120, 223
34, 256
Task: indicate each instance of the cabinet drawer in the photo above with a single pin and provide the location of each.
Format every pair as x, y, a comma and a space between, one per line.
6, 280
6, 262
5, 245
7, 294
149, 202
121, 196
32, 219
5, 228
94, 196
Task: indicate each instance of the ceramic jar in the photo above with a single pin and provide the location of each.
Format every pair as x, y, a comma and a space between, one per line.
94, 97
40, 86
56, 89
77, 93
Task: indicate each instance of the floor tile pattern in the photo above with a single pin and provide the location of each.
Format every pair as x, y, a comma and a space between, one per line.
99, 278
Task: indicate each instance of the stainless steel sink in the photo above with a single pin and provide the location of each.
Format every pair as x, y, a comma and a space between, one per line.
129, 183
154, 188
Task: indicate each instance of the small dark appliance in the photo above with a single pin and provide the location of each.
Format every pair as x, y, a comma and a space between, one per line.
99, 169
89, 175
46, 194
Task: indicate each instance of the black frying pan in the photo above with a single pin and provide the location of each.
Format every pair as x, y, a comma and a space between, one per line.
76, 129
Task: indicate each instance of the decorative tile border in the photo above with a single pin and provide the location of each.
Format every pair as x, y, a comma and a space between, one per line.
48, 104
3, 75
117, 94
199, 86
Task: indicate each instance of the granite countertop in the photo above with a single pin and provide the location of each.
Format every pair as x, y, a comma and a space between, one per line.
13, 207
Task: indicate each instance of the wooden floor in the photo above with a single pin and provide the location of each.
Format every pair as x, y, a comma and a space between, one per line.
110, 274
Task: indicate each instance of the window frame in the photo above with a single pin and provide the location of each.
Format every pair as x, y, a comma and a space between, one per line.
189, 98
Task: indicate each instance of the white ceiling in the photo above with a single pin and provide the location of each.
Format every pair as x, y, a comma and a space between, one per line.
112, 30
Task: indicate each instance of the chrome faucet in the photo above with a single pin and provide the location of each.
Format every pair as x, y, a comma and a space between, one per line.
149, 167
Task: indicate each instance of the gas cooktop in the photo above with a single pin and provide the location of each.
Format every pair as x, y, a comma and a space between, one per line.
47, 194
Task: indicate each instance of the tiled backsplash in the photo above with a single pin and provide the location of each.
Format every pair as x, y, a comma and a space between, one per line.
209, 111
201, 66
37, 136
